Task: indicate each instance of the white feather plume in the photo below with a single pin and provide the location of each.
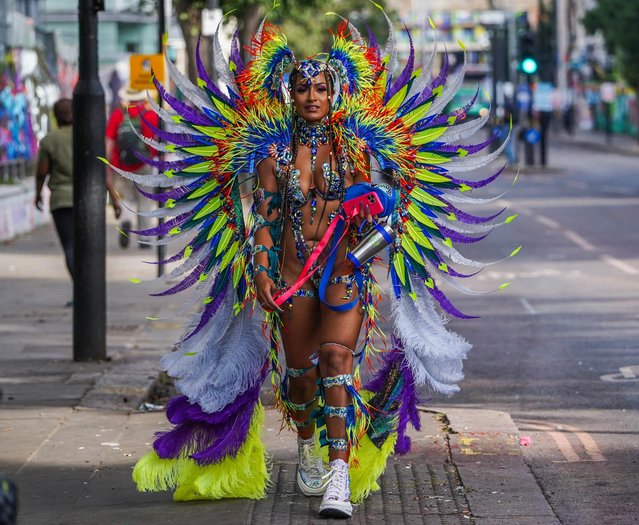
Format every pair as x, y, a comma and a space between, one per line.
434, 354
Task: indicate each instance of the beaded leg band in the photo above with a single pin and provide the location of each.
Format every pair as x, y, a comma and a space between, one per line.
340, 444
331, 411
340, 380
298, 407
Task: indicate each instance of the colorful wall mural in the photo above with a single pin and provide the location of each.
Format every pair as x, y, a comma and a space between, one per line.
17, 140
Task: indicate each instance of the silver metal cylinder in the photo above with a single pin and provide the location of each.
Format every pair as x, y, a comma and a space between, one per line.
372, 244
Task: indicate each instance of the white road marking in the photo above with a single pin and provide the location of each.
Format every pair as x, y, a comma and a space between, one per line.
546, 221
565, 447
620, 265
579, 240
626, 374
527, 306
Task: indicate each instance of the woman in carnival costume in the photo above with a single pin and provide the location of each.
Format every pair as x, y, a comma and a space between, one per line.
294, 274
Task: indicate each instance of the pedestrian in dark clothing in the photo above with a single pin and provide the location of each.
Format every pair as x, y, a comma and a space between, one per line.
55, 161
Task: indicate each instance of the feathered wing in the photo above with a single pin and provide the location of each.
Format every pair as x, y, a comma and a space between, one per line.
214, 449
401, 119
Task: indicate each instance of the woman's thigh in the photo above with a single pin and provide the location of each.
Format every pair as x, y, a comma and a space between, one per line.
300, 331
341, 327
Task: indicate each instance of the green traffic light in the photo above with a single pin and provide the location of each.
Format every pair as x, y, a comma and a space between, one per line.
529, 66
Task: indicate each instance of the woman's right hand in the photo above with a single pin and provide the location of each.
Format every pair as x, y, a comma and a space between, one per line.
265, 288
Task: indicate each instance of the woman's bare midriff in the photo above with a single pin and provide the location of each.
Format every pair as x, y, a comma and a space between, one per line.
313, 232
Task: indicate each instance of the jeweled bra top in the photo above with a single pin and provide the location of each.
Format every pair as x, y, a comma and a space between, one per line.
332, 184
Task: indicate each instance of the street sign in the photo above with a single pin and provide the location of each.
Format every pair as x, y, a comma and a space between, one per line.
523, 97
542, 97
142, 67
532, 136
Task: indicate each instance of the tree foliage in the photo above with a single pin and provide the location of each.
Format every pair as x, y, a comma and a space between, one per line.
303, 21
618, 21
308, 26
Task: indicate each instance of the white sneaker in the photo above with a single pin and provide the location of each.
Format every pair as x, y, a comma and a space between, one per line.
311, 474
337, 498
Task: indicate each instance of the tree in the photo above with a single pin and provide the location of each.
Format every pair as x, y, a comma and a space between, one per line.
618, 20
301, 20
308, 29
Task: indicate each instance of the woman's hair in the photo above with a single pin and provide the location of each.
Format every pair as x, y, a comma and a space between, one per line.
63, 112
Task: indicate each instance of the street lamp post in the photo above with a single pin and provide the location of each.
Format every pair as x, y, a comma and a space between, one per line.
89, 194
161, 251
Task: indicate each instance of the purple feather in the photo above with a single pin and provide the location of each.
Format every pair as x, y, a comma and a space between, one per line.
165, 227
408, 396
176, 166
404, 77
454, 273
468, 218
186, 112
179, 139
211, 308
207, 438
460, 237
189, 281
235, 56
479, 183
174, 193
427, 93
201, 71
445, 303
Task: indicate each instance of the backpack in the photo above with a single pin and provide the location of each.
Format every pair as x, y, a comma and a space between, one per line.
129, 143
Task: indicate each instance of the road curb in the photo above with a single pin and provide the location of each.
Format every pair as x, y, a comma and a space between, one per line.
498, 483
122, 388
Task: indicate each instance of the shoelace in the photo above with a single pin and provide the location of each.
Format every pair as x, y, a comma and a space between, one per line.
311, 463
338, 487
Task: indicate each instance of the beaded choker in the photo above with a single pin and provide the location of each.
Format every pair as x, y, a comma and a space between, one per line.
312, 135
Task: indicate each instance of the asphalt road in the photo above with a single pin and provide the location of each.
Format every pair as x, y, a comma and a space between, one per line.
558, 348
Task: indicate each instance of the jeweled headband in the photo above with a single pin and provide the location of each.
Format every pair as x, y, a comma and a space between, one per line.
310, 68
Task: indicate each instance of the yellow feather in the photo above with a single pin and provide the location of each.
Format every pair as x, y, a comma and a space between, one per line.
428, 135
400, 267
398, 98
229, 255
419, 216
416, 114
204, 189
224, 241
201, 167
418, 236
217, 226
410, 248
424, 197
226, 112
212, 131
213, 205
427, 157
204, 151
429, 176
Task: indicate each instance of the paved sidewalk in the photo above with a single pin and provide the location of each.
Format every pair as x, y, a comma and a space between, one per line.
71, 432
596, 140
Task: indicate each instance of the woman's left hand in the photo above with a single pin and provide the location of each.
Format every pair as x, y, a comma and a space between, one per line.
364, 215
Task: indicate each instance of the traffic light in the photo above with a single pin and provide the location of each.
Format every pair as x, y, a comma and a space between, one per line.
527, 59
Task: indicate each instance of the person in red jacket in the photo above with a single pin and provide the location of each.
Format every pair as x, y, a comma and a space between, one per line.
124, 150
